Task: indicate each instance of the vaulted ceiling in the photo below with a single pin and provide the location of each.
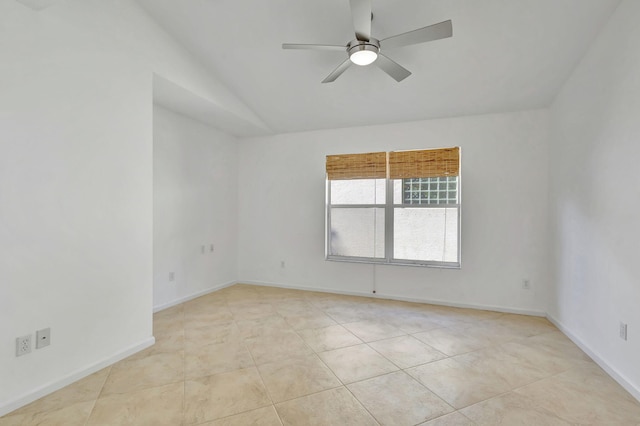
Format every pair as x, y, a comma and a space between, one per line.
505, 55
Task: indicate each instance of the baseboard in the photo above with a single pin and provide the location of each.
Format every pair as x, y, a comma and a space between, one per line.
48, 388
192, 296
404, 299
598, 359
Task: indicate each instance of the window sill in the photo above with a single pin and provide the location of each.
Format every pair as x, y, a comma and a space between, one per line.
373, 261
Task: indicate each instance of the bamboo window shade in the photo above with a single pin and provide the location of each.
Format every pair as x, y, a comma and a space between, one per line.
371, 165
424, 163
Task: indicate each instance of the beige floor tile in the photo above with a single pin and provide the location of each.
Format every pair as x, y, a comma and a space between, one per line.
511, 409
287, 307
345, 314
370, 331
69, 414
328, 338
331, 407
266, 416
452, 341
174, 312
83, 390
526, 325
456, 383
356, 363
204, 319
217, 358
491, 331
246, 311
495, 363
223, 395
161, 405
406, 351
213, 333
453, 419
584, 395
293, 378
166, 325
556, 345
262, 326
168, 320
277, 347
211, 299
490, 355
135, 374
165, 343
550, 362
467, 315
309, 320
412, 322
397, 398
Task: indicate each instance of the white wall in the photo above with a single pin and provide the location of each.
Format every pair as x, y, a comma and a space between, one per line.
504, 211
194, 204
76, 184
595, 198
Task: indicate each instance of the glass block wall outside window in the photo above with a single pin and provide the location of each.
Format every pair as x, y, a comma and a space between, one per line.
433, 190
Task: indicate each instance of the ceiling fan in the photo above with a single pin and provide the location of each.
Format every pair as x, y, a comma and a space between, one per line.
366, 50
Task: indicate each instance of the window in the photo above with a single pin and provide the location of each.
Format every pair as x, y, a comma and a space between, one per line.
394, 208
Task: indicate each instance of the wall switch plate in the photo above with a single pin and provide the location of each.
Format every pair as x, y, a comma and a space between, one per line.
526, 284
23, 345
43, 338
623, 331
172, 276
211, 248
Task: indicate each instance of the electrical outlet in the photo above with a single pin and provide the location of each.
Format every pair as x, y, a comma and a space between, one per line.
526, 284
23, 345
623, 331
43, 338
172, 276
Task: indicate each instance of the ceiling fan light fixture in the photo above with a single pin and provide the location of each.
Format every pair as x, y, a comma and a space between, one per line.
363, 52
363, 57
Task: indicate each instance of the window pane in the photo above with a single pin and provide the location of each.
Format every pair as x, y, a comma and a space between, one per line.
357, 232
397, 190
358, 191
426, 234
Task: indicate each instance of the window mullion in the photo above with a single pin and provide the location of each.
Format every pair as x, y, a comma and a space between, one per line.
388, 219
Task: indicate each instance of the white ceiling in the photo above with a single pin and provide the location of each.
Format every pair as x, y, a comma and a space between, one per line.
505, 55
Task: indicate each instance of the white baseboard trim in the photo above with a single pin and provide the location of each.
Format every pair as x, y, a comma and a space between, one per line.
595, 356
192, 296
29, 397
404, 299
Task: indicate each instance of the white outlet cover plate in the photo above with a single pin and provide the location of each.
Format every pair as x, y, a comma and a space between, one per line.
23, 345
43, 338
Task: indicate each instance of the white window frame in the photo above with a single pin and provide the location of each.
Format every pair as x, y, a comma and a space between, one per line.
389, 210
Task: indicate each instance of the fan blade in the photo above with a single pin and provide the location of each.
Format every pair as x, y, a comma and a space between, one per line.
421, 35
361, 14
314, 47
397, 72
337, 72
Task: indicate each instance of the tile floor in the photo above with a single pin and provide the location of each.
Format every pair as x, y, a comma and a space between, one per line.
250, 355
